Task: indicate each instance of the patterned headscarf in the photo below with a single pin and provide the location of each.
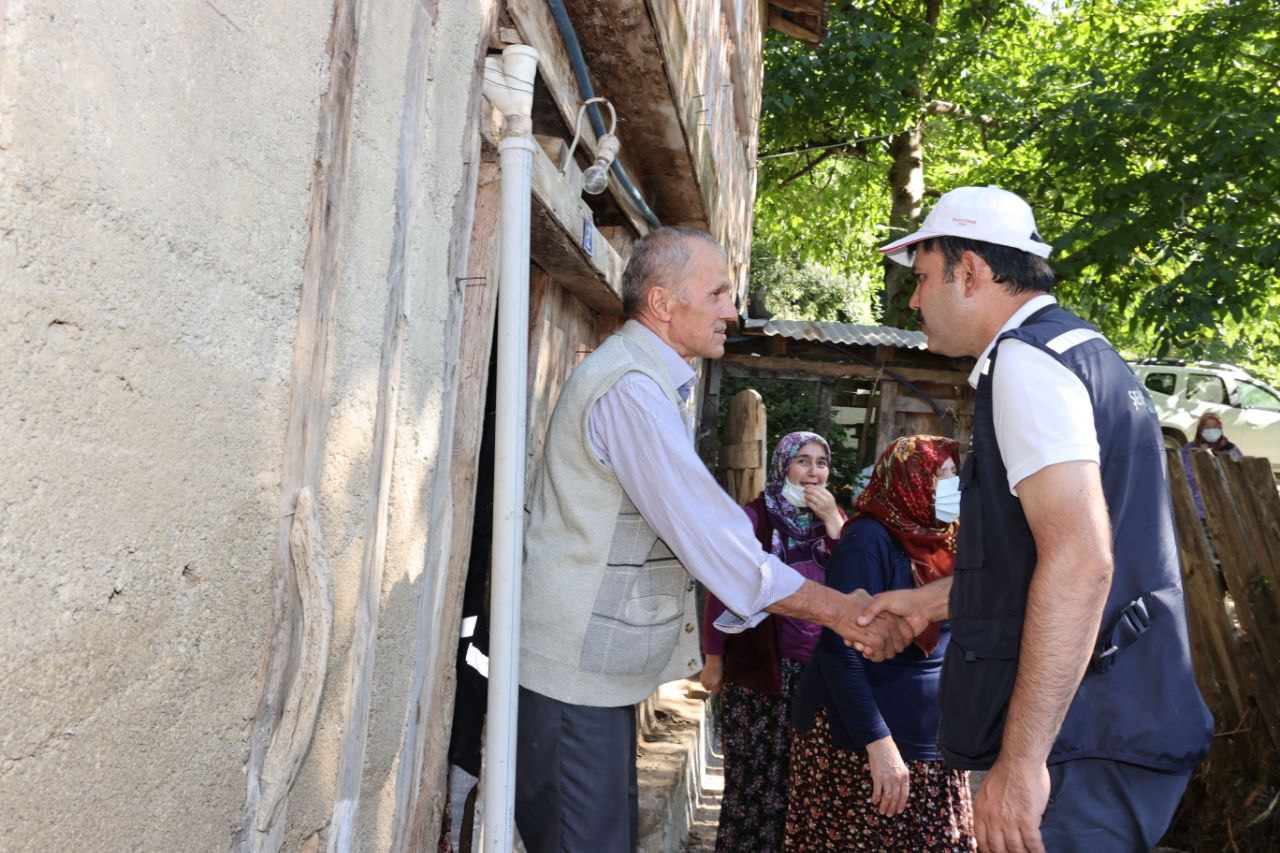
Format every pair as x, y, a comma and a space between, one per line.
900, 496
792, 525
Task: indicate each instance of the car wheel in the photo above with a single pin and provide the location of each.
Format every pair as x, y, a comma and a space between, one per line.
1173, 440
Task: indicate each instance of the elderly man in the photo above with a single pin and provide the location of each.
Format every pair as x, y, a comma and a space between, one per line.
622, 513
1069, 672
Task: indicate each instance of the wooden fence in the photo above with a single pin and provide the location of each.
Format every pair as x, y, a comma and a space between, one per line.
1231, 575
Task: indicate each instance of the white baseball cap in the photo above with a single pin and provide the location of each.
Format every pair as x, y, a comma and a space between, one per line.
988, 213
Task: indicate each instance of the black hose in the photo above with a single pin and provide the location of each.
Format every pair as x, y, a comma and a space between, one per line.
579, 63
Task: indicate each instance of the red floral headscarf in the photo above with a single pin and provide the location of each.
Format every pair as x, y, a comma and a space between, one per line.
900, 496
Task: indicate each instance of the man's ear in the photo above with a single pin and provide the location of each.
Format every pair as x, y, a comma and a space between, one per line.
658, 302
972, 271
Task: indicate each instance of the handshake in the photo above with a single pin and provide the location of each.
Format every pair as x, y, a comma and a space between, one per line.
882, 626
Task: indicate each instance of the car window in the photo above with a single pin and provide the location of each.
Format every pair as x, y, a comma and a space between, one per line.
1253, 396
1206, 388
1161, 383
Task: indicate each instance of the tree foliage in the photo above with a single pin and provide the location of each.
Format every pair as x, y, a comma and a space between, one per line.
1144, 133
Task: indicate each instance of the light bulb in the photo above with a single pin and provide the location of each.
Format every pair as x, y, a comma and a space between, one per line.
596, 178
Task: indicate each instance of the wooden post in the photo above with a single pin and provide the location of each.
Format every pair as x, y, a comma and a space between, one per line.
1213, 638
743, 455
886, 416
822, 424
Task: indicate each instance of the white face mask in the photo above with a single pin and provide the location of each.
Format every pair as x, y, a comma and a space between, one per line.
946, 500
1211, 435
793, 493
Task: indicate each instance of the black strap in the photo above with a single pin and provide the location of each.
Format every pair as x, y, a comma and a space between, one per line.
1133, 620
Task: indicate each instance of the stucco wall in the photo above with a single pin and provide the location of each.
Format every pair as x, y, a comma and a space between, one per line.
155, 168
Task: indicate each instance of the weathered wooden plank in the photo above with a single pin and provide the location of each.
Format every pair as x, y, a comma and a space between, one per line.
293, 735
408, 203
771, 367
794, 30
1252, 517
308, 398
1238, 568
1213, 638
742, 454
435, 707
533, 19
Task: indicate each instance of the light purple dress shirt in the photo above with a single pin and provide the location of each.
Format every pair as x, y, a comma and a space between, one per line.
637, 433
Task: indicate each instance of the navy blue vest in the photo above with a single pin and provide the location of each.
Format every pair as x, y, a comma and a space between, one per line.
1146, 709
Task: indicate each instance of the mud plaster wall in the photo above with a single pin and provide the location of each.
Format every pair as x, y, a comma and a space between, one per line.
155, 161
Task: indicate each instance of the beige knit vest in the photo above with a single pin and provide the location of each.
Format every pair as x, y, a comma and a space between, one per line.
608, 612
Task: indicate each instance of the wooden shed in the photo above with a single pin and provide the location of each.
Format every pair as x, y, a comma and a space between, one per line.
879, 382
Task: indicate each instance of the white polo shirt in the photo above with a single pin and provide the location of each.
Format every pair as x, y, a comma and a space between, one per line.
1041, 409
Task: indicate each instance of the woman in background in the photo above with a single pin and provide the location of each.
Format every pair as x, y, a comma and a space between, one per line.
1209, 437
865, 769
797, 520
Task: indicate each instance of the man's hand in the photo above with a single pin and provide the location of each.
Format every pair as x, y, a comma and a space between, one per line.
878, 638
906, 603
882, 638
712, 676
1008, 808
913, 610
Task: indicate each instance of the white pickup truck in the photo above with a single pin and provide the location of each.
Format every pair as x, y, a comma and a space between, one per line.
1184, 390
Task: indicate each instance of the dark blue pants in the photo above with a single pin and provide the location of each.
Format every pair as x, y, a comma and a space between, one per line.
1103, 806
576, 777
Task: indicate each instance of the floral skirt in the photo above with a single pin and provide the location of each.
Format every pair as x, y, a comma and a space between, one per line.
830, 804
756, 735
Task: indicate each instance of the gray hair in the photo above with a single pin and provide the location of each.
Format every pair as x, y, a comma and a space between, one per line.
658, 260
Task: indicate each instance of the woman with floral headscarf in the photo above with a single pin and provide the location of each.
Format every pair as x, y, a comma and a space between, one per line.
865, 768
756, 672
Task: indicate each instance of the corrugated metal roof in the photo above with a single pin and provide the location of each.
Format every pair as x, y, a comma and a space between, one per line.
844, 333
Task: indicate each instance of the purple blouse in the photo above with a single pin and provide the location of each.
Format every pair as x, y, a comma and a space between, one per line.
796, 637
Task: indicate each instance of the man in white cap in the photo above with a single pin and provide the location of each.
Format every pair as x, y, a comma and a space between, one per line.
1068, 676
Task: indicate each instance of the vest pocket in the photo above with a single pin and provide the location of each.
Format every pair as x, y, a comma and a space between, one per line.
635, 623
977, 680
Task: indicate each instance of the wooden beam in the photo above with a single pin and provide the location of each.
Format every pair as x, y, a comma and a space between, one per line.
788, 368
309, 401
804, 7
407, 203
533, 19
791, 28
562, 224
449, 572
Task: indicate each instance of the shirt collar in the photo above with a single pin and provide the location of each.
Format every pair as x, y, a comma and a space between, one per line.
1015, 320
681, 373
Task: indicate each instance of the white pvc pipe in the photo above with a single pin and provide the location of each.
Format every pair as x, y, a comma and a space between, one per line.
512, 92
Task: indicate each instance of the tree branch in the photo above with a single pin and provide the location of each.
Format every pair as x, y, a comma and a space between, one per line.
858, 151
946, 108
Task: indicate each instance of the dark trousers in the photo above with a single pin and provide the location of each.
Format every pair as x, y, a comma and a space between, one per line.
576, 777
1104, 806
